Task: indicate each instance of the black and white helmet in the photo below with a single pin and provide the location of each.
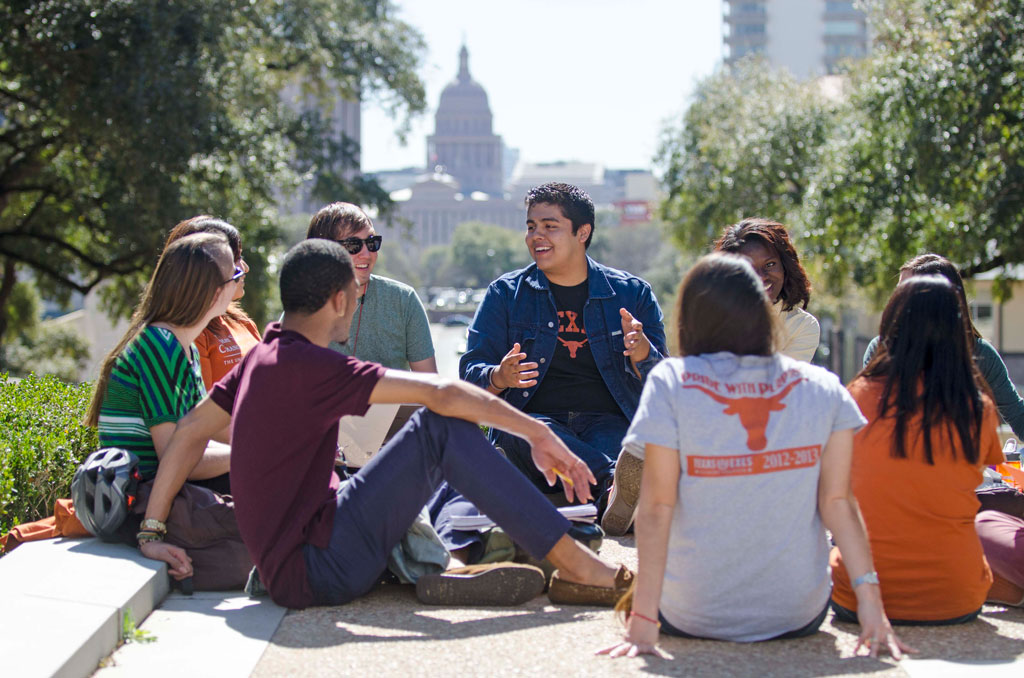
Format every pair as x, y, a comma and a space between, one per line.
104, 489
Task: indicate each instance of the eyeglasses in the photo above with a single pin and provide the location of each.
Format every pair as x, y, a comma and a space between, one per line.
355, 245
239, 272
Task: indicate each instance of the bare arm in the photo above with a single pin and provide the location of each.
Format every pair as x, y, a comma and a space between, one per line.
183, 454
841, 515
659, 491
462, 400
215, 461
425, 365
182, 451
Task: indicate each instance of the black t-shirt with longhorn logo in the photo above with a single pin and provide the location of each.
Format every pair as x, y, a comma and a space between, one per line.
572, 382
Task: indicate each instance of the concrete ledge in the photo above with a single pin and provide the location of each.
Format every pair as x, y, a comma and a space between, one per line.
64, 602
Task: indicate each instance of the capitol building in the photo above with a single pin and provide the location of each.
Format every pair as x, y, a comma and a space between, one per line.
470, 175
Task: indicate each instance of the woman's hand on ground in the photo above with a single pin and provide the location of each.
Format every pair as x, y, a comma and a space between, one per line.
637, 641
179, 565
876, 632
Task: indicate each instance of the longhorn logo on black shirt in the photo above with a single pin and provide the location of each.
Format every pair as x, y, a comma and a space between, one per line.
576, 331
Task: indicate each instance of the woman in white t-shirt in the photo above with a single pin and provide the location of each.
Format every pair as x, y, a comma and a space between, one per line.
766, 243
747, 460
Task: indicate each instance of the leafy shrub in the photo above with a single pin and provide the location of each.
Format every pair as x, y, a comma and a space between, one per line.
42, 441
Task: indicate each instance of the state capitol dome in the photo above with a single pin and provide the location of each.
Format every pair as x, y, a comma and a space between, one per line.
463, 143
463, 107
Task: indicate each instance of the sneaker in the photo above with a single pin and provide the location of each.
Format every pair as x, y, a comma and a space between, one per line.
562, 592
500, 584
253, 586
624, 495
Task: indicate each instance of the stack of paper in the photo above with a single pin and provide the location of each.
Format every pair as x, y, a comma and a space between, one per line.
580, 513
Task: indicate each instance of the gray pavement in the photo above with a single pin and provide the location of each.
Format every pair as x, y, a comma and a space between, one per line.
389, 633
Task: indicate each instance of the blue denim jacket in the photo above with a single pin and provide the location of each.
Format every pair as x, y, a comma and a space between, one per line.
519, 307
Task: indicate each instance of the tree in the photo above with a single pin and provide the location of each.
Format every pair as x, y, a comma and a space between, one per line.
924, 150
118, 119
482, 252
931, 157
743, 148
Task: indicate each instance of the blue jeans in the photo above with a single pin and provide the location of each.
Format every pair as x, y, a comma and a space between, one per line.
848, 616
376, 507
594, 437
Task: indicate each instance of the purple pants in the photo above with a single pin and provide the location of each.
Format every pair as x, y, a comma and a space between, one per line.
376, 507
1002, 538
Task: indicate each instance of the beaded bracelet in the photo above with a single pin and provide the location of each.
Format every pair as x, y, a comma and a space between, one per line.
148, 535
633, 613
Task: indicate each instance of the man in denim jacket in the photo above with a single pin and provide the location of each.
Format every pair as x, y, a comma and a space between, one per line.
566, 339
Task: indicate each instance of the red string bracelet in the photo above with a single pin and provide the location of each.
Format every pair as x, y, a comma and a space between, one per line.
633, 613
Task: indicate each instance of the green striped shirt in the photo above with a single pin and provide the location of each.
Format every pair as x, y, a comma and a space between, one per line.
153, 381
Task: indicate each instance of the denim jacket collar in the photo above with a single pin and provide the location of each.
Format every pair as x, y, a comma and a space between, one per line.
598, 285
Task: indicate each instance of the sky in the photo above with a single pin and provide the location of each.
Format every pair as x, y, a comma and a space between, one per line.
587, 80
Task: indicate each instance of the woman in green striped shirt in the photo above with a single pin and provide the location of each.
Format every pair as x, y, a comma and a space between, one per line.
152, 378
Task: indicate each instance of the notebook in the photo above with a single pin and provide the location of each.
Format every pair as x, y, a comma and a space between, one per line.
359, 438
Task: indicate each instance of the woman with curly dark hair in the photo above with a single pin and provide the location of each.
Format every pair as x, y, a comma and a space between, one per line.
767, 245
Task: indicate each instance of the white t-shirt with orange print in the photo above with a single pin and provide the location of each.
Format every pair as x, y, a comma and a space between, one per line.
747, 551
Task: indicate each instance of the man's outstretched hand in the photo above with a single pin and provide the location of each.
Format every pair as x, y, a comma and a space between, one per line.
638, 346
513, 372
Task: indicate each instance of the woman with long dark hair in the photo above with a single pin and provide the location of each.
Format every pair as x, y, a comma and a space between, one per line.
915, 466
746, 462
152, 377
229, 336
990, 364
767, 245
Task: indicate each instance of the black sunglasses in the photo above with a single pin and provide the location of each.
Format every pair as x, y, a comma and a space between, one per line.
355, 245
235, 278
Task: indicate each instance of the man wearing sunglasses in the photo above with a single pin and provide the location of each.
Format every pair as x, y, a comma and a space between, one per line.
391, 326
566, 340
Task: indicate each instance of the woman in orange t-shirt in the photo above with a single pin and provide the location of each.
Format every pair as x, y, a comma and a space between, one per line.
931, 430
230, 336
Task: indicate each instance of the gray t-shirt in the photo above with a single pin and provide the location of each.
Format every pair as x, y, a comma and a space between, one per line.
747, 552
390, 326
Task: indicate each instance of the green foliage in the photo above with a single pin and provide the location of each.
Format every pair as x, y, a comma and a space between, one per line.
118, 119
54, 350
931, 157
744, 148
482, 252
42, 441
923, 151
130, 633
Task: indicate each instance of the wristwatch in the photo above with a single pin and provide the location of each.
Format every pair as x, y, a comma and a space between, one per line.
866, 578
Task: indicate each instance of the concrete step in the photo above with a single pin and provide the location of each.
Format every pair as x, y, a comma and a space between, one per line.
220, 635
64, 602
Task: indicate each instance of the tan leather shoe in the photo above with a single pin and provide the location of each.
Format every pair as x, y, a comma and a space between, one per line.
562, 592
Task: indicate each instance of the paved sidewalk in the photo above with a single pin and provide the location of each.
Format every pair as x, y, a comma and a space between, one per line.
389, 633
63, 601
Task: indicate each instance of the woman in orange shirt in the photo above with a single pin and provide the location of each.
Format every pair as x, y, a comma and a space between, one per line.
230, 336
931, 430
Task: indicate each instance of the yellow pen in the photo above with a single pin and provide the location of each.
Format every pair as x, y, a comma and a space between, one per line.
565, 479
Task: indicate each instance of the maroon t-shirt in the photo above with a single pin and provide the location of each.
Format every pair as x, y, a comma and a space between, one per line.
285, 399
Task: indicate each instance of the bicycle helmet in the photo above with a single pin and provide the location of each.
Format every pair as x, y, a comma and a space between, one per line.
104, 489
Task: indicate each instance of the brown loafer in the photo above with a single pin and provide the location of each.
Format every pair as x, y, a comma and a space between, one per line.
562, 592
498, 584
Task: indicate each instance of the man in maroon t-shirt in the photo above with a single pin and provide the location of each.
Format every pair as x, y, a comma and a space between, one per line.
315, 544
